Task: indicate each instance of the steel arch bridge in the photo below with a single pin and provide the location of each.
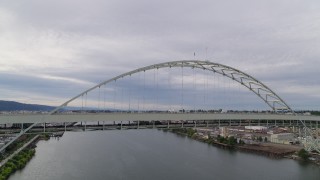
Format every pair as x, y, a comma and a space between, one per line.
268, 96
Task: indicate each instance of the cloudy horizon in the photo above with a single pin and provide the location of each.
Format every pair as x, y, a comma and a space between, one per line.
53, 50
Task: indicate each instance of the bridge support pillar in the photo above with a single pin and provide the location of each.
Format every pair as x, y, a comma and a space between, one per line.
65, 127
21, 127
168, 124
240, 122
153, 124
259, 122
195, 124
182, 124
44, 127
283, 123
121, 125
219, 123
290, 123
85, 126
229, 122
267, 123
275, 122
207, 123
103, 125
299, 131
138, 125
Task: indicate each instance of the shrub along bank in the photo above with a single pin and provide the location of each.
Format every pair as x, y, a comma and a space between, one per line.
16, 163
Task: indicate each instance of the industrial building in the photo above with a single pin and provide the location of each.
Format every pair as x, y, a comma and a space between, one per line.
283, 138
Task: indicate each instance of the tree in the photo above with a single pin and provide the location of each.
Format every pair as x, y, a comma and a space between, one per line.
232, 141
220, 139
303, 154
191, 132
241, 142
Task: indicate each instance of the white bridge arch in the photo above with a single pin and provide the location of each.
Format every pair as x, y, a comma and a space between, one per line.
258, 88
261, 90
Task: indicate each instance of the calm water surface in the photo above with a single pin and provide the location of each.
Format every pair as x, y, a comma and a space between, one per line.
151, 154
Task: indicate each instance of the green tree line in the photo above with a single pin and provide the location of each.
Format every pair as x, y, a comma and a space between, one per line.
16, 163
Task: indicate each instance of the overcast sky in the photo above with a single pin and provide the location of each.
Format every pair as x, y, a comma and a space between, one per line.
50, 50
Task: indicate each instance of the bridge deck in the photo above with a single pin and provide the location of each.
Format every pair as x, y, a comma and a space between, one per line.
39, 118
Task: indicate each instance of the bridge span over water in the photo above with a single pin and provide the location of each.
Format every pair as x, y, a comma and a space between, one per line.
277, 105
90, 117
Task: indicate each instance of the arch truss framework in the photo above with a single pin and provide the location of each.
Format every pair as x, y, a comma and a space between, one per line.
277, 104
257, 87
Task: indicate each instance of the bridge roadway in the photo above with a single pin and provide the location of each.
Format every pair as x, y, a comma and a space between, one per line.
90, 117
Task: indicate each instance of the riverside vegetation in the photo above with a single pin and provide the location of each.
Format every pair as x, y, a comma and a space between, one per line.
18, 162
192, 133
228, 142
16, 145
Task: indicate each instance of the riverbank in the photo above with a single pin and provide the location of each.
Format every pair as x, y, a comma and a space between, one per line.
267, 149
12, 148
19, 154
27, 143
18, 162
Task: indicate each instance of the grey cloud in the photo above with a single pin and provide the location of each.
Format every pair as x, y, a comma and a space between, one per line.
275, 41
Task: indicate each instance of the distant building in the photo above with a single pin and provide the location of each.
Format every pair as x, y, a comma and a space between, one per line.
224, 131
259, 129
283, 138
256, 128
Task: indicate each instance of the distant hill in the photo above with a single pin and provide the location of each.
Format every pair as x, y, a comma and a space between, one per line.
16, 106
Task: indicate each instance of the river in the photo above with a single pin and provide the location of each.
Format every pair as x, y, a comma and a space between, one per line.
151, 154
